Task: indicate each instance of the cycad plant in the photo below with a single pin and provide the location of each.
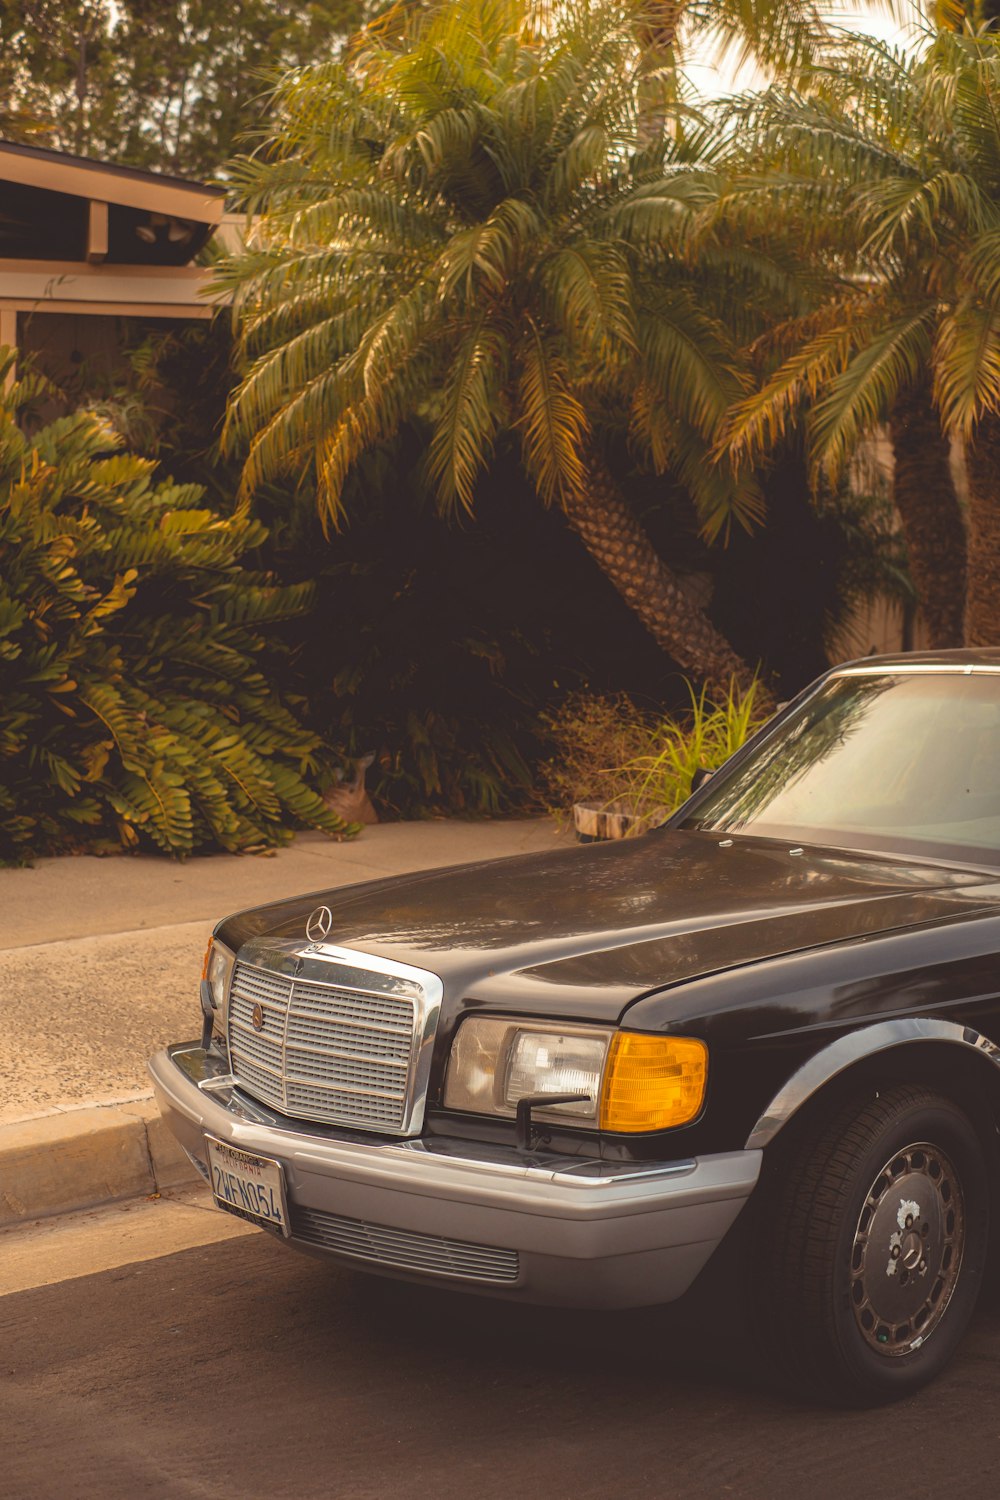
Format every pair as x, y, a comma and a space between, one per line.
466, 226
889, 169
138, 701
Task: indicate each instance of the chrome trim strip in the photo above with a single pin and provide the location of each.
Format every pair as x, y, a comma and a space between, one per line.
222, 1011
283, 1073
829, 1061
382, 1062
568, 1171
356, 989
910, 669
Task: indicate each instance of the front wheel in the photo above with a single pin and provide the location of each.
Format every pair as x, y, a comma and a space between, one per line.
872, 1244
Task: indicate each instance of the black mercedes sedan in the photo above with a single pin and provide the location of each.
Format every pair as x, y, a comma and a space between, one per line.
570, 1077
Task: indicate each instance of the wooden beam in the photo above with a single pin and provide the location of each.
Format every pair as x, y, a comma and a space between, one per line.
52, 285
176, 310
87, 179
8, 336
97, 231
59, 268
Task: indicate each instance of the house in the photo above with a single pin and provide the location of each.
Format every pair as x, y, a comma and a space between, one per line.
84, 245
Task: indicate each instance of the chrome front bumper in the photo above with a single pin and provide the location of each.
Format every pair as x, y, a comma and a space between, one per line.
559, 1230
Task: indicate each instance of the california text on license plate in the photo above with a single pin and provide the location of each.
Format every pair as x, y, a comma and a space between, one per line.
252, 1187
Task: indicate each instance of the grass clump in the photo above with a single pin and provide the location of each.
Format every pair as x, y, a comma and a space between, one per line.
610, 752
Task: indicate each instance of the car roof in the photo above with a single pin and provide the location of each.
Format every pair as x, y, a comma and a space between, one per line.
978, 659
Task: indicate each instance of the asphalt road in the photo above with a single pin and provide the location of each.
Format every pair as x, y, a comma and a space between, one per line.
240, 1370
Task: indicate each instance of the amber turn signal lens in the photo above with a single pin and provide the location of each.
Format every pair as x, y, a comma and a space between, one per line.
653, 1082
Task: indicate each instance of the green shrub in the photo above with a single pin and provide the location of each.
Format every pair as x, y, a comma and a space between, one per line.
591, 735
610, 752
137, 658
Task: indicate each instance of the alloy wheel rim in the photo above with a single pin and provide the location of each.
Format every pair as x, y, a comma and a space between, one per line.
907, 1251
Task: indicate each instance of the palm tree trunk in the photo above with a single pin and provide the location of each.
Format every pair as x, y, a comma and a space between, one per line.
605, 523
656, 33
931, 516
982, 606
657, 28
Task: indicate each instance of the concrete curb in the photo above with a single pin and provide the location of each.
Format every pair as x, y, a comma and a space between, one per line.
56, 1164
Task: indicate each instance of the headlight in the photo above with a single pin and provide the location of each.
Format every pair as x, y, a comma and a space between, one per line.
635, 1082
216, 973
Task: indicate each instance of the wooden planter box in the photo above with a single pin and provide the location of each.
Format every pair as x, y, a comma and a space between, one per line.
594, 821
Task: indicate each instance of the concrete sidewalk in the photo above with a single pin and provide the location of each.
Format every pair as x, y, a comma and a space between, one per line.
99, 966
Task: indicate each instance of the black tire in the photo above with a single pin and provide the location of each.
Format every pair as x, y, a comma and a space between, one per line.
848, 1311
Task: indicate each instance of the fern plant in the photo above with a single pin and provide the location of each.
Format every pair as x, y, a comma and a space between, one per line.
138, 658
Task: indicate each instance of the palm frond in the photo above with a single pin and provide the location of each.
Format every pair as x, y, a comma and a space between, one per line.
757, 424
471, 411
587, 288
862, 395
554, 425
688, 355
967, 366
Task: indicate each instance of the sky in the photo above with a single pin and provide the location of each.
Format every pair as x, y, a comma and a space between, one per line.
713, 79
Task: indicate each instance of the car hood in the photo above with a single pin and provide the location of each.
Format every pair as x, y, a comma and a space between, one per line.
585, 931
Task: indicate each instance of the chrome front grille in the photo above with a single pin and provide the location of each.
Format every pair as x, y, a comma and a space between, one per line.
404, 1249
324, 1051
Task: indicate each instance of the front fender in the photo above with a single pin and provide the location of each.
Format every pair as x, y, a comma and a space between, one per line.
853, 1048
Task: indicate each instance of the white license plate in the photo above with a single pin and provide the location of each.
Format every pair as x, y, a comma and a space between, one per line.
251, 1187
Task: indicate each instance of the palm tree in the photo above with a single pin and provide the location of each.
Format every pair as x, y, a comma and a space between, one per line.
782, 35
774, 33
929, 511
890, 171
465, 227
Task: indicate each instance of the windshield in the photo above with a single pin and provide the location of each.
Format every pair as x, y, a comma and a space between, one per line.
907, 762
